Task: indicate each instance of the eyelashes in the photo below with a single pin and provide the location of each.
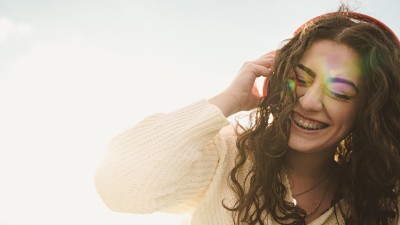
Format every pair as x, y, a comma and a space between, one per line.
339, 95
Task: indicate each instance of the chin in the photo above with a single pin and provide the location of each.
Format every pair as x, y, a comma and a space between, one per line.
309, 146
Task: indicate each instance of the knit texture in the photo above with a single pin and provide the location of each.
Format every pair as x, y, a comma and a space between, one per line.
177, 162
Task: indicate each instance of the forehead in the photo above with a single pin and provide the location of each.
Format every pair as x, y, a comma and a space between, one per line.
331, 59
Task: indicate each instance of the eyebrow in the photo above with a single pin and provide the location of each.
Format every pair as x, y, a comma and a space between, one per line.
334, 79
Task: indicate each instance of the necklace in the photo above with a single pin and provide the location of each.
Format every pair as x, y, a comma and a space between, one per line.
319, 203
311, 188
314, 186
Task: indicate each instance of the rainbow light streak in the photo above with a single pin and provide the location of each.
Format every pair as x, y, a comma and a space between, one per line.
331, 81
291, 85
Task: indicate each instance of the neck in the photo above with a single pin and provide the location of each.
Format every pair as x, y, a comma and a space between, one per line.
309, 165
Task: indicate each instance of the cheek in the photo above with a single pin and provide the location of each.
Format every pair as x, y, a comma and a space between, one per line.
343, 115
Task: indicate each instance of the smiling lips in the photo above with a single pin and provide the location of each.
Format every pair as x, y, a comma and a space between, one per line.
308, 124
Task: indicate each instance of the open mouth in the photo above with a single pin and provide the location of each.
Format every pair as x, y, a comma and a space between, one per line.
308, 124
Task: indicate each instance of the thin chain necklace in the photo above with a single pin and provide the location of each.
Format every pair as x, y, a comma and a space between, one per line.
311, 188
315, 185
319, 203
315, 208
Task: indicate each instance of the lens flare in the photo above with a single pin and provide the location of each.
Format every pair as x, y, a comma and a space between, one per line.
291, 85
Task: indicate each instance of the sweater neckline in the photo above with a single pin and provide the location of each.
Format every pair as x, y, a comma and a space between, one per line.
289, 197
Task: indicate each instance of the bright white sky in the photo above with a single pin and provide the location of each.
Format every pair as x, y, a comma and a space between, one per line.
75, 73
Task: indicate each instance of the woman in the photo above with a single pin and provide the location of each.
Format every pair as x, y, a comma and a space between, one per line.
323, 146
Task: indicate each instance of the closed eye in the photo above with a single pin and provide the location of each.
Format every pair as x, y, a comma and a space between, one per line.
300, 81
335, 87
339, 96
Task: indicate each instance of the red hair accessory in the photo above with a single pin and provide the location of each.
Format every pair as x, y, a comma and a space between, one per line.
356, 16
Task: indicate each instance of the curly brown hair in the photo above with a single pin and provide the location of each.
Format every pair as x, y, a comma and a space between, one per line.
368, 158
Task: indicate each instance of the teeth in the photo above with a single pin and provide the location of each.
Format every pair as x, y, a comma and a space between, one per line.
307, 124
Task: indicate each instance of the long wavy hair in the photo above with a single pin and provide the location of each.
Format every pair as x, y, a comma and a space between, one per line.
368, 158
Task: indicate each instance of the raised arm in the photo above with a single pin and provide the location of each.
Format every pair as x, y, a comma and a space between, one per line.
167, 161
164, 163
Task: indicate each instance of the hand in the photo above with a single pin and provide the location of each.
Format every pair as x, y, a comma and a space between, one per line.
243, 93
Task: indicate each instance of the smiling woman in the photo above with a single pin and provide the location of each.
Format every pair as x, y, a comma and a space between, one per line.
328, 101
75, 73
331, 155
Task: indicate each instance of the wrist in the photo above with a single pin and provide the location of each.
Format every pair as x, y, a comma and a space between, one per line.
226, 102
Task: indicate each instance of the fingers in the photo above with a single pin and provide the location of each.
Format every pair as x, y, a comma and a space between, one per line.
266, 61
260, 67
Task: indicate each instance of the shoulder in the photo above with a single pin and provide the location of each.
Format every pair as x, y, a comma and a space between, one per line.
233, 130
229, 135
229, 131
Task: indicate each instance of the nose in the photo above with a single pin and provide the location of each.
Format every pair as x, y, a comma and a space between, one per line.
311, 99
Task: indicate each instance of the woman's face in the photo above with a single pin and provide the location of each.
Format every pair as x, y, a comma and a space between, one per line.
327, 82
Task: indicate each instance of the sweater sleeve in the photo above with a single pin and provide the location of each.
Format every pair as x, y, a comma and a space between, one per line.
164, 163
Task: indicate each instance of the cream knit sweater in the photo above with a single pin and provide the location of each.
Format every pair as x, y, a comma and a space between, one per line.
176, 162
